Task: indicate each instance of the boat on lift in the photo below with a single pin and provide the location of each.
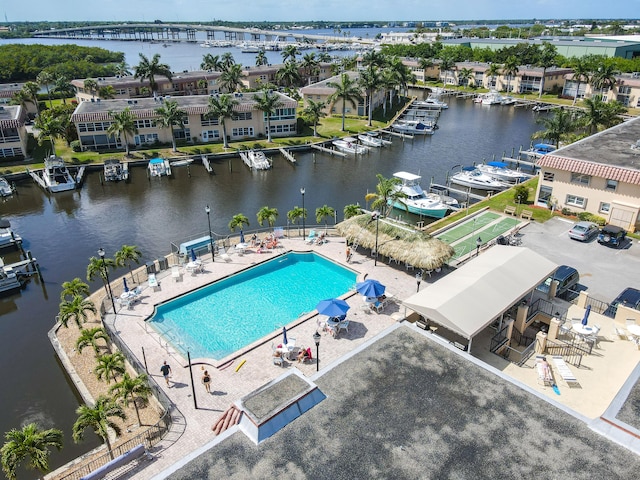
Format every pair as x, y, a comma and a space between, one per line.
474, 178
418, 202
56, 175
372, 139
349, 145
159, 167
6, 189
114, 170
500, 171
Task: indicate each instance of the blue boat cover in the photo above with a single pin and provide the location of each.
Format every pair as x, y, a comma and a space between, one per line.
156, 160
497, 164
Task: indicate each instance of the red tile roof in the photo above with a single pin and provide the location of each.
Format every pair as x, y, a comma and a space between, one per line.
594, 169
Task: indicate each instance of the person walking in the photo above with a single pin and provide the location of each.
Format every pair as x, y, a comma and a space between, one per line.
206, 380
166, 371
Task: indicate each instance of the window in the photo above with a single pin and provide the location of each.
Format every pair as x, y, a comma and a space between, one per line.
143, 139
545, 194
210, 135
548, 176
612, 185
242, 132
604, 207
580, 178
183, 134
241, 116
576, 201
208, 121
146, 123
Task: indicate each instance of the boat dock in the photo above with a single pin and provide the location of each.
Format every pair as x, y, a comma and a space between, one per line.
80, 175
328, 150
438, 188
398, 134
288, 155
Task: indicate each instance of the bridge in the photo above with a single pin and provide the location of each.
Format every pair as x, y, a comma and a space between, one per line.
178, 32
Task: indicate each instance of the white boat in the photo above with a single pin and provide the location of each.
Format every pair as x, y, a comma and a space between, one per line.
5, 188
349, 145
182, 163
114, 170
8, 237
370, 140
431, 102
255, 160
508, 100
474, 178
541, 149
8, 278
159, 167
419, 202
500, 171
56, 175
492, 98
412, 127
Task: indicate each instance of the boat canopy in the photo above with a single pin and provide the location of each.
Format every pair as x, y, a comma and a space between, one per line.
497, 164
154, 161
468, 169
544, 147
410, 177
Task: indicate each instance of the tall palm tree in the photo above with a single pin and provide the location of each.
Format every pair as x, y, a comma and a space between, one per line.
97, 267
371, 80
109, 365
270, 215
261, 58
580, 74
122, 123
446, 64
238, 220
312, 113
600, 114
211, 62
231, 78
546, 60
28, 442
347, 91
385, 195
127, 255
289, 74
465, 75
77, 310
493, 71
31, 90
122, 69
510, 69
170, 115
89, 337
402, 74
99, 419
107, 92
311, 65
295, 214
290, 52
62, 87
324, 212
50, 127
268, 102
324, 57
226, 61
556, 127
74, 288
352, 210
221, 106
131, 389
604, 78
149, 69
91, 86
45, 79
374, 58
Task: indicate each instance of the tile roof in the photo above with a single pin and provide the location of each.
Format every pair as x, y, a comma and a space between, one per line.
594, 169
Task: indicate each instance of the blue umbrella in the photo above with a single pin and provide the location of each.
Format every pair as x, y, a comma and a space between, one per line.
193, 255
241, 236
370, 288
586, 315
284, 335
124, 281
333, 307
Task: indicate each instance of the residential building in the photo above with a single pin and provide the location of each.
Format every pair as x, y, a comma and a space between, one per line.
599, 174
13, 134
92, 120
8, 90
626, 89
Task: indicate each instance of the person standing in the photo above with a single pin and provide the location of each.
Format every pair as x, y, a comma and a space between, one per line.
166, 371
206, 380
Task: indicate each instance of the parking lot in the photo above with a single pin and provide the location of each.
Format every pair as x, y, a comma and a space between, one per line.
604, 271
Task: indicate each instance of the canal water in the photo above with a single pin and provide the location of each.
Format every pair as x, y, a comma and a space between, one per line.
64, 230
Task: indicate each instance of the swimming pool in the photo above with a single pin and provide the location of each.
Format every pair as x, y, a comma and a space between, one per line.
221, 318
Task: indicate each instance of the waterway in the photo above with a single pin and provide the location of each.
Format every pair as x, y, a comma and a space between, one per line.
65, 229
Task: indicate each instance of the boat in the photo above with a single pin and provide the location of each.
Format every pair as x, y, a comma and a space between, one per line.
9, 280
369, 140
412, 127
182, 163
5, 188
419, 202
349, 145
56, 175
159, 167
474, 178
8, 237
508, 100
500, 171
255, 159
492, 98
540, 149
431, 102
115, 170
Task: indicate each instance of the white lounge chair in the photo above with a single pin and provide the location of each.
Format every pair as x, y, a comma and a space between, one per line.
175, 273
312, 237
544, 374
153, 282
564, 371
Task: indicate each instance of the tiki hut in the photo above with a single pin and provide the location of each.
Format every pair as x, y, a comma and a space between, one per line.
400, 242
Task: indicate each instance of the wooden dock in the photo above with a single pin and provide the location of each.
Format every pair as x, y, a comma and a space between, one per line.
398, 134
288, 155
330, 151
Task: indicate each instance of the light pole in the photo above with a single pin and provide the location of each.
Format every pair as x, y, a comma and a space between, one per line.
418, 279
375, 216
478, 243
304, 233
208, 210
106, 276
316, 339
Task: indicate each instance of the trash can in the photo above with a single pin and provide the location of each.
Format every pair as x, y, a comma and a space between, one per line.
163, 264
151, 267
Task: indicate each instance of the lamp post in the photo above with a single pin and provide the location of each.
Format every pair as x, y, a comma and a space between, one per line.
478, 243
375, 216
106, 276
208, 210
316, 339
418, 279
304, 233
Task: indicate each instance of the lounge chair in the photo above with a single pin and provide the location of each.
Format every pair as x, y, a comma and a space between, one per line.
276, 356
311, 237
564, 371
175, 273
544, 374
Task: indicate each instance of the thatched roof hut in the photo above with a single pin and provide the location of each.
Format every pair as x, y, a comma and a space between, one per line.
397, 241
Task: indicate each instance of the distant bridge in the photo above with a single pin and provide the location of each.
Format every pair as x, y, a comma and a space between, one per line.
177, 32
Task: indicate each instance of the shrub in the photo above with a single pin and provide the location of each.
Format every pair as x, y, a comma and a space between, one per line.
76, 146
590, 217
567, 212
521, 194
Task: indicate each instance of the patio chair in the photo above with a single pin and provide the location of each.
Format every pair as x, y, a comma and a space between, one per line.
565, 328
224, 255
175, 273
311, 237
620, 333
153, 282
276, 356
343, 325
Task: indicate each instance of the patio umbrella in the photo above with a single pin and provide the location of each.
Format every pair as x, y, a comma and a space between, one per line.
242, 237
586, 315
284, 335
333, 307
370, 288
124, 281
193, 255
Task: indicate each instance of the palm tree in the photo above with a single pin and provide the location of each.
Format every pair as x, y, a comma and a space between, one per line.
546, 59
324, 212
122, 123
446, 64
402, 74
211, 62
107, 92
148, 69
352, 210
76, 310
268, 214
109, 365
122, 69
370, 80
268, 103
324, 57
465, 75
89, 337
386, 194
600, 114
295, 214
310, 64
289, 74
91, 86
231, 78
126, 255
132, 389
374, 58
226, 61
50, 127
348, 91
312, 113
170, 115
261, 59
290, 52
97, 266
604, 79
63, 87
424, 63
99, 419
29, 442
74, 288
31, 90
580, 73
221, 106
493, 71
556, 127
238, 220
45, 79
510, 69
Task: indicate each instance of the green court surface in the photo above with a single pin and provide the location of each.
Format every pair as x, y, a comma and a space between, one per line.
453, 235
486, 235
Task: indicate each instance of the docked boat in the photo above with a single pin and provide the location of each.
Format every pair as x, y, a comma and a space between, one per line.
182, 163
541, 149
159, 167
431, 101
9, 279
508, 100
500, 171
56, 175
8, 237
5, 188
474, 178
371, 139
255, 159
412, 127
349, 145
115, 170
417, 201
492, 98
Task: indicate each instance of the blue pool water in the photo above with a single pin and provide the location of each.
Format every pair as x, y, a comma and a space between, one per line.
228, 315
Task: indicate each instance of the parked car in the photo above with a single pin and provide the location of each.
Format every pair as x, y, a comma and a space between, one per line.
567, 278
630, 297
612, 235
584, 231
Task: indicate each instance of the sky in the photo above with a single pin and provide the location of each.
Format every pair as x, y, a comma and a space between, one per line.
307, 10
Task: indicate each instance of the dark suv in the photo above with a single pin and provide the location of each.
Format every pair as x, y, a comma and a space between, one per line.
612, 235
567, 278
630, 297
